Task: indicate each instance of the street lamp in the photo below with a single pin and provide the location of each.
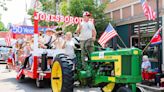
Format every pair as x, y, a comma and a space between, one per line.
3, 5
159, 75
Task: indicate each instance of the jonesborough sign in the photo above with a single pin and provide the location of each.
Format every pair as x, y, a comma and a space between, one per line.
58, 18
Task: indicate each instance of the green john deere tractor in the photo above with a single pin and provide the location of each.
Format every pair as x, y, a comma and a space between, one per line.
112, 70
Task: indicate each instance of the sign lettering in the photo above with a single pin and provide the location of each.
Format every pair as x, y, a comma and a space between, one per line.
58, 18
25, 29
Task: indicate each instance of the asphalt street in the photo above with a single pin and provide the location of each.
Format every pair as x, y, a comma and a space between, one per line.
8, 83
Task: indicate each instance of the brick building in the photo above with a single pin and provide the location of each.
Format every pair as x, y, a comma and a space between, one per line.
130, 20
131, 24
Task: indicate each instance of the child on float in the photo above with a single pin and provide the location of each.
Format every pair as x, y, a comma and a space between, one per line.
69, 47
10, 60
27, 54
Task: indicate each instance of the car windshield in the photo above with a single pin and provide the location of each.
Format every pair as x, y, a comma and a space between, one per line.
2, 42
4, 53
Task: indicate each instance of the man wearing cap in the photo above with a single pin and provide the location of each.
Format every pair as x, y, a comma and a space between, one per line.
87, 34
48, 38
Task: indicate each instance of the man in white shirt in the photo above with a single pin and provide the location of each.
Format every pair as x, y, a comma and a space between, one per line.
47, 44
87, 32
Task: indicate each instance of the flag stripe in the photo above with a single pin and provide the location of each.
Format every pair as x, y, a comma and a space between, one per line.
105, 34
148, 12
108, 36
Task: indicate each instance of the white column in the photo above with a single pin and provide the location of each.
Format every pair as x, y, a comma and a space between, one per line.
162, 3
111, 15
35, 44
121, 16
132, 10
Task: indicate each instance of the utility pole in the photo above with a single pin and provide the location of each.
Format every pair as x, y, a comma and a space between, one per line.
159, 75
57, 7
159, 46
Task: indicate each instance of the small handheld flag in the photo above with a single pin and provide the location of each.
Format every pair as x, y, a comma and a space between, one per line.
107, 35
156, 39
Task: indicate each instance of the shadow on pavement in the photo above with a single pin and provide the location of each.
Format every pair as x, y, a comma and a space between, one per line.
26, 85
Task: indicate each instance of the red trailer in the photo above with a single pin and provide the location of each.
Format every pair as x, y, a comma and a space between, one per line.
38, 70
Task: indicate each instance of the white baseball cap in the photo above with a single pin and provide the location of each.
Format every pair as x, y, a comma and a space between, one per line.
86, 13
50, 29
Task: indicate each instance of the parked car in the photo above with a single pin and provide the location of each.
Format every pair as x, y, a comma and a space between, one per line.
4, 54
4, 49
3, 42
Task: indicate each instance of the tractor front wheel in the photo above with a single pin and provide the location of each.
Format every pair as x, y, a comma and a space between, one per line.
62, 74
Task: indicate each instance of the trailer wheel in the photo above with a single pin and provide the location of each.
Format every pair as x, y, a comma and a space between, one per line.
62, 74
39, 83
124, 89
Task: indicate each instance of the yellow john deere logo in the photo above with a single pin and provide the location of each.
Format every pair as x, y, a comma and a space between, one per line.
135, 52
104, 58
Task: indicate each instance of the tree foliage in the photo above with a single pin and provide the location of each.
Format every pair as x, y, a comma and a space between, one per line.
47, 6
2, 27
63, 8
77, 7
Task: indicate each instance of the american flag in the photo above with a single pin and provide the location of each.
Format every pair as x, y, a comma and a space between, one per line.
148, 12
8, 38
107, 35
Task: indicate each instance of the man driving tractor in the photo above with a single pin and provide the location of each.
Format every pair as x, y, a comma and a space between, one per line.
87, 34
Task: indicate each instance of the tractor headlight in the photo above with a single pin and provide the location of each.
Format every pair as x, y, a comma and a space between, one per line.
86, 58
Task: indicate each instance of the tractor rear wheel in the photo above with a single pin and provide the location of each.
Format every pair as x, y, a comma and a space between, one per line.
62, 74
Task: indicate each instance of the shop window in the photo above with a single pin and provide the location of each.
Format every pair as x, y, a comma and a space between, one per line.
141, 36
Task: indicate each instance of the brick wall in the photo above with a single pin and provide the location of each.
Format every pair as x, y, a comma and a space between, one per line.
116, 15
126, 12
129, 8
118, 3
138, 9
